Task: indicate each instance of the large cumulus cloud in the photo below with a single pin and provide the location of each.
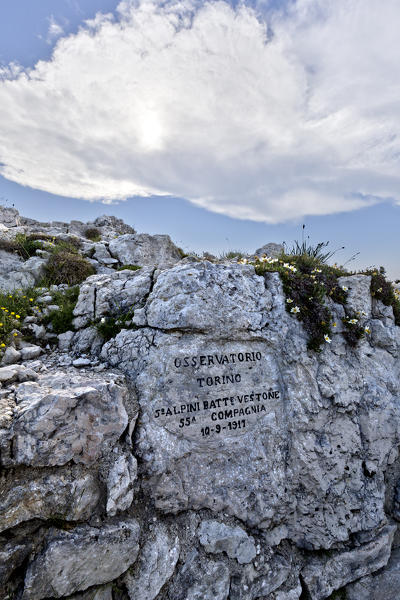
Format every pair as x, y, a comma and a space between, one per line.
248, 111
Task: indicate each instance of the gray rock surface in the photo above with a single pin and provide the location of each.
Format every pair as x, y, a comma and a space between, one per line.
218, 537
11, 356
156, 564
323, 575
201, 579
120, 481
73, 561
69, 496
9, 216
271, 250
382, 585
145, 250
41, 433
112, 294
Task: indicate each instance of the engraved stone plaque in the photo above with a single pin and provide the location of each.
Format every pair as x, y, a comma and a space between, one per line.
216, 391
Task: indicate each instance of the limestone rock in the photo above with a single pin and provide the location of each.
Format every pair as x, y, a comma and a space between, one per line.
102, 255
208, 297
67, 496
9, 216
11, 356
218, 537
200, 579
119, 484
98, 593
383, 584
272, 250
75, 560
31, 351
359, 294
112, 226
261, 578
12, 555
323, 575
145, 250
113, 294
65, 417
155, 566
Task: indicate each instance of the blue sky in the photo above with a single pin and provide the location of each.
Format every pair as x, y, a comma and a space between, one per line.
186, 119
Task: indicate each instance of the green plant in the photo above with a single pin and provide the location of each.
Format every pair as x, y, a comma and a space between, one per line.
66, 266
231, 254
14, 307
61, 320
109, 326
93, 234
129, 267
383, 290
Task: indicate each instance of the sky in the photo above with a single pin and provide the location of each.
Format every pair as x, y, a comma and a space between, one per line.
224, 124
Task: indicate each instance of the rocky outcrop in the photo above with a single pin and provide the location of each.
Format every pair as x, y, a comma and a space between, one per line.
145, 250
197, 449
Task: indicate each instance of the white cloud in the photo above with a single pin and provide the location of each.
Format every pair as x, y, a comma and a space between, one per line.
55, 30
210, 103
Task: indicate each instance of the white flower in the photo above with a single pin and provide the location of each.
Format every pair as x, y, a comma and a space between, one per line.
345, 288
102, 320
289, 300
327, 338
295, 309
353, 321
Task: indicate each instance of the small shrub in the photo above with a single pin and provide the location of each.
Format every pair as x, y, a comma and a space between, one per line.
14, 307
382, 289
129, 267
93, 234
61, 320
109, 326
67, 267
231, 254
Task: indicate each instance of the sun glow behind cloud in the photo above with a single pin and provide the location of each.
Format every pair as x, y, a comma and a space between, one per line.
253, 119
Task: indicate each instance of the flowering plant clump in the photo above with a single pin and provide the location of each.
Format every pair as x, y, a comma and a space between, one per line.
354, 329
307, 283
14, 307
109, 326
383, 290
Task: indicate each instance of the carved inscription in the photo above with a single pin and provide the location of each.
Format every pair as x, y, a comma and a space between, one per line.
214, 395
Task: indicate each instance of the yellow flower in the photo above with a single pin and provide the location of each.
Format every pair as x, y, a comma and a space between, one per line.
367, 330
17, 317
30, 299
2, 345
334, 324
13, 313
1, 324
15, 334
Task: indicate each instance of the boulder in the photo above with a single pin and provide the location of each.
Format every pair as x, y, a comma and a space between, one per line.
383, 584
75, 560
272, 250
112, 294
69, 496
156, 564
145, 250
9, 217
41, 433
322, 575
